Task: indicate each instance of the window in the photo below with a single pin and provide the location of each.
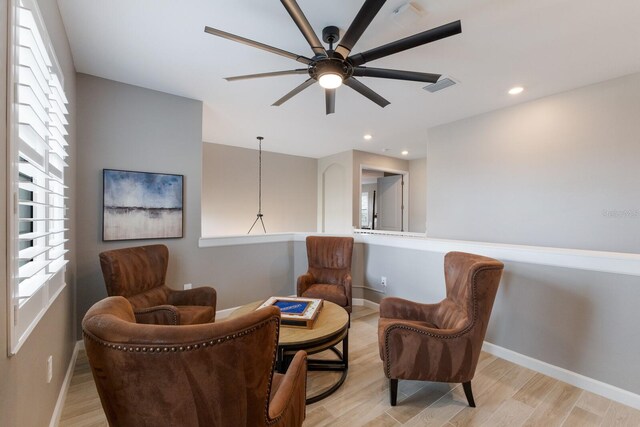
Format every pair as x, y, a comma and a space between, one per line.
36, 163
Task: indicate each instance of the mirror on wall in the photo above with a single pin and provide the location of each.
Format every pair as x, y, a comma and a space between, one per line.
384, 200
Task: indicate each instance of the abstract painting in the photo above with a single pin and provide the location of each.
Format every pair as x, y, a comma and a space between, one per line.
141, 205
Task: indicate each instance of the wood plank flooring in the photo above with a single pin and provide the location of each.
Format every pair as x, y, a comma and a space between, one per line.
506, 395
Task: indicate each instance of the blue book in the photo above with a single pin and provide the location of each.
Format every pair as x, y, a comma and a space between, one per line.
292, 307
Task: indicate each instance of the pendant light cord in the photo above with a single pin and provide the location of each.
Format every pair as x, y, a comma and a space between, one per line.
259, 216
260, 175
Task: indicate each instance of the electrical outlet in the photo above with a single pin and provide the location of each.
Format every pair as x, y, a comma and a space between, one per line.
383, 284
49, 369
187, 286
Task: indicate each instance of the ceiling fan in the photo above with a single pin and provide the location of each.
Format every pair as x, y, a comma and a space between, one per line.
333, 67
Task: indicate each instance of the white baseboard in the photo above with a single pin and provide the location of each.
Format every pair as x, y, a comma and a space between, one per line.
62, 396
366, 303
598, 387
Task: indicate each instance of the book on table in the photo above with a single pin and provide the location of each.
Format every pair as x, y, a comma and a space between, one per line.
295, 311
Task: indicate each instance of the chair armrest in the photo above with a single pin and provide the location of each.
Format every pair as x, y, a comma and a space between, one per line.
304, 282
288, 401
205, 295
158, 315
398, 308
347, 283
346, 279
448, 355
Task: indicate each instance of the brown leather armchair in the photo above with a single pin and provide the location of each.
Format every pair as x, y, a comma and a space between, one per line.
440, 342
329, 273
213, 374
139, 273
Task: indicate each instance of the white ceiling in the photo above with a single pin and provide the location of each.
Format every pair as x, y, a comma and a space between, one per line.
547, 46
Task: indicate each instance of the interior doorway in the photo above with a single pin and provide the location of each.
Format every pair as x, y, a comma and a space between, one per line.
384, 199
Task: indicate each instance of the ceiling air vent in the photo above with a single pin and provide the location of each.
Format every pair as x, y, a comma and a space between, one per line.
441, 84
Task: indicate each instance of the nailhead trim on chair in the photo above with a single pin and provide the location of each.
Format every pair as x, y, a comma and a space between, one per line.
273, 366
152, 349
456, 335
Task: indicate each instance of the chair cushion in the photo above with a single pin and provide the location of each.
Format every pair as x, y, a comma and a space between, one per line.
195, 314
334, 293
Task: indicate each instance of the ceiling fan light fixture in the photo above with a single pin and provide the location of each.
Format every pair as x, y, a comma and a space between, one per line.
330, 80
333, 67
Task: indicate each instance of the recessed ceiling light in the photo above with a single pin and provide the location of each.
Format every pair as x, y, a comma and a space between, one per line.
516, 90
404, 153
367, 137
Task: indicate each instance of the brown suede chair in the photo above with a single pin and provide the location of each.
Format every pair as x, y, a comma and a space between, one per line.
440, 342
329, 273
213, 374
139, 273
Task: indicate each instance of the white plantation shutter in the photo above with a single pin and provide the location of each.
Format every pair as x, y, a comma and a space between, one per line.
38, 154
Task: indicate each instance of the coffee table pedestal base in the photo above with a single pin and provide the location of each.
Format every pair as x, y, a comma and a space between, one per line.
286, 353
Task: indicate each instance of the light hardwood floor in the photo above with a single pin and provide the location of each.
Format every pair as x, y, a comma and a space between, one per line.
506, 395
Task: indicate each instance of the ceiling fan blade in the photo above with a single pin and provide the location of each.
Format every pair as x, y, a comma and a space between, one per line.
367, 12
385, 73
305, 28
364, 90
410, 42
294, 92
256, 44
330, 100
271, 74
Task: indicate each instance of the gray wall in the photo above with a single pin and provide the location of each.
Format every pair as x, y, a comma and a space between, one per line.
230, 191
560, 171
418, 195
127, 127
25, 397
583, 321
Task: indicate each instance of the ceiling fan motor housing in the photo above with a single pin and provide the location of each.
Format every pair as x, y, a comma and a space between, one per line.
330, 66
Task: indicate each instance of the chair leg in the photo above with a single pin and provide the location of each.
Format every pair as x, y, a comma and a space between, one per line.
393, 391
467, 392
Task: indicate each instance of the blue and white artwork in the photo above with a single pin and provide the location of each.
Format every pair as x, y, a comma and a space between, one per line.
141, 205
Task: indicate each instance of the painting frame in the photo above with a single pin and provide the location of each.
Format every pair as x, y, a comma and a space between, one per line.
140, 205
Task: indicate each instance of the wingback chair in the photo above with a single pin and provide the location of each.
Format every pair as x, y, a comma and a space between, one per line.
213, 374
440, 342
139, 273
329, 273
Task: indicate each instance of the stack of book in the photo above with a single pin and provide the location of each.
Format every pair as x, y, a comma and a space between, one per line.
296, 312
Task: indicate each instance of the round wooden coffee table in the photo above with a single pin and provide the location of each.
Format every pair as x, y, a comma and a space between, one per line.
330, 328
